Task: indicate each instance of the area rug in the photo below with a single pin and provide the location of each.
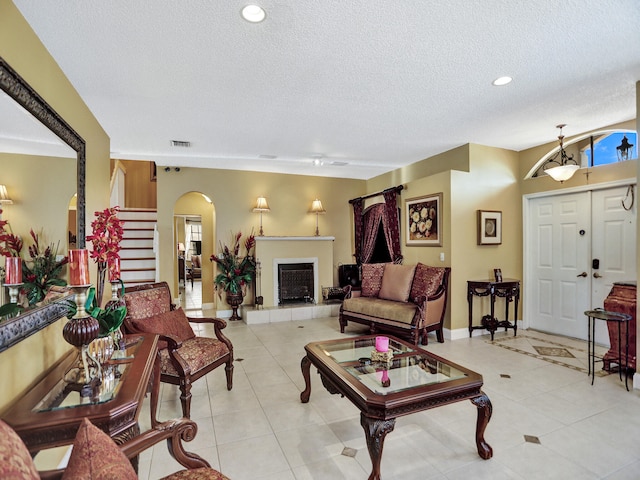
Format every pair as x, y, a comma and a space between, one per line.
566, 352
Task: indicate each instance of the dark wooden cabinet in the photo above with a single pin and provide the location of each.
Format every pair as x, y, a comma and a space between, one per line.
621, 299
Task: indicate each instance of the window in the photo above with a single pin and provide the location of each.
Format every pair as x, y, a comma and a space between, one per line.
605, 148
195, 243
592, 150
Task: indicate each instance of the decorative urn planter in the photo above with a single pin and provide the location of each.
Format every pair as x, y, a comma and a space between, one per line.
235, 300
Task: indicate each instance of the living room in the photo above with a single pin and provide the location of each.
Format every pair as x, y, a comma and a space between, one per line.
470, 177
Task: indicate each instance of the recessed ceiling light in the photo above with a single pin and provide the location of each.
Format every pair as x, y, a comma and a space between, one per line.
253, 13
500, 81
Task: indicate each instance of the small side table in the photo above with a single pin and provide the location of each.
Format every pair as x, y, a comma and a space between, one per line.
509, 289
620, 319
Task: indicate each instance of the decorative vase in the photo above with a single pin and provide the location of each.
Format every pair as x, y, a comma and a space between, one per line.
80, 332
235, 300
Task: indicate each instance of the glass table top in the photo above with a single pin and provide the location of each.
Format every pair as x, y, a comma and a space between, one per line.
62, 395
409, 368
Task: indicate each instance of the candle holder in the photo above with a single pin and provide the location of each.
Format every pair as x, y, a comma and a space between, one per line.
14, 291
85, 374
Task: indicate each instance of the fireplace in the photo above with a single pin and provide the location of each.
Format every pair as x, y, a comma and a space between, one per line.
295, 280
295, 283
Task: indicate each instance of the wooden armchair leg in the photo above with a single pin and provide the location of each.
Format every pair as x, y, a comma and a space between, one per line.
228, 370
185, 398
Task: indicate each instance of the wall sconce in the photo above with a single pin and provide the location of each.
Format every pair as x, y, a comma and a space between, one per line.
261, 207
563, 169
4, 198
316, 207
624, 149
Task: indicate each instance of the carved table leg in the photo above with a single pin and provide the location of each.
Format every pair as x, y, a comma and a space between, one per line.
305, 366
485, 409
375, 431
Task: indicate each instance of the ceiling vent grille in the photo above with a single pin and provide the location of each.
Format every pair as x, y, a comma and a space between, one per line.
339, 164
180, 143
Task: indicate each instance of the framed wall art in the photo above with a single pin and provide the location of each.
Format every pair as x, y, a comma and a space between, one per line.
489, 227
424, 220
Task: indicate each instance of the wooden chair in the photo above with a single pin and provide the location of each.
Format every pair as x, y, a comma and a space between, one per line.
96, 456
184, 357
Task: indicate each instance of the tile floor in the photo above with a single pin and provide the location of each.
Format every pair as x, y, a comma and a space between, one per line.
261, 431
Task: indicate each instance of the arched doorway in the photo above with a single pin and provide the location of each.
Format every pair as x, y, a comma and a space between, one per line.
193, 232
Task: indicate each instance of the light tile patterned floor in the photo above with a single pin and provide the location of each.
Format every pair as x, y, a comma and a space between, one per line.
261, 431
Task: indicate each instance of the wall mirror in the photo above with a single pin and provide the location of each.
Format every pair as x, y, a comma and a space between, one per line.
18, 91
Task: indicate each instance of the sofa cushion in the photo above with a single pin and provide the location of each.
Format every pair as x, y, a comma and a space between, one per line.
402, 312
371, 279
15, 460
396, 282
196, 261
173, 322
96, 456
426, 280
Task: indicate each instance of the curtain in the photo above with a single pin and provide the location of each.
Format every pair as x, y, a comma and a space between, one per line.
371, 224
392, 227
366, 226
358, 224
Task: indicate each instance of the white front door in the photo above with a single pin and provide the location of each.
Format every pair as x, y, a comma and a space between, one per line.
613, 241
579, 245
558, 284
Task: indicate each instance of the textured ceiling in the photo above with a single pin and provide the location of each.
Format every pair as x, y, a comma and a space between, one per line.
376, 85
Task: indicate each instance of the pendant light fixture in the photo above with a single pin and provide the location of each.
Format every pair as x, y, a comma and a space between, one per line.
563, 168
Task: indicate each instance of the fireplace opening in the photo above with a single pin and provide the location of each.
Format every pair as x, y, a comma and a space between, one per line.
295, 283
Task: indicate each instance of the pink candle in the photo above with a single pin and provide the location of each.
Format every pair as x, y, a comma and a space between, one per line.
382, 344
79, 267
114, 270
13, 268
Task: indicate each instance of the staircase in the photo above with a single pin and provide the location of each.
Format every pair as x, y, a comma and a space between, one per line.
137, 258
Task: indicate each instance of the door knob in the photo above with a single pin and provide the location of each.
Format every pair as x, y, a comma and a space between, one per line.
597, 275
583, 274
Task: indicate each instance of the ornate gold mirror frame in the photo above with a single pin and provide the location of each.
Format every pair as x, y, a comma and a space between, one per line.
27, 323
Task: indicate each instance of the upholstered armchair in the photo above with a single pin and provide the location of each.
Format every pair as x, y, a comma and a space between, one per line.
95, 456
184, 357
195, 271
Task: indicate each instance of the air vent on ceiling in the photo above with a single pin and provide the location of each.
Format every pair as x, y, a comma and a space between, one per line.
339, 164
180, 143
267, 157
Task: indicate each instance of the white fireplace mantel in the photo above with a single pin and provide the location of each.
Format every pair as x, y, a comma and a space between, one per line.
273, 250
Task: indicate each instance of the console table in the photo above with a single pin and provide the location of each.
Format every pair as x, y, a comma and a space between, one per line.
509, 289
50, 413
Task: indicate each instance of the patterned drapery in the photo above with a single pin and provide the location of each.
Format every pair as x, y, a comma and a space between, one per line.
393, 224
367, 224
358, 223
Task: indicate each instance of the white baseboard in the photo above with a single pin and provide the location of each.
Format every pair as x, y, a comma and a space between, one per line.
460, 333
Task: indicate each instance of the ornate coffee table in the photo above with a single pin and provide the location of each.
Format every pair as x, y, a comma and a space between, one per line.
417, 380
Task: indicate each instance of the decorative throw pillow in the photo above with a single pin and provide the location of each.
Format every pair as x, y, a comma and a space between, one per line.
95, 456
15, 460
426, 280
396, 282
147, 303
173, 322
371, 279
195, 261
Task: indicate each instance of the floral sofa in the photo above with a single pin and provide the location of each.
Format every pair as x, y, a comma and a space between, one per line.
405, 300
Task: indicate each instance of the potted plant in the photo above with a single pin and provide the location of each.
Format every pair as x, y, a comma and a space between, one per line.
43, 270
235, 270
106, 237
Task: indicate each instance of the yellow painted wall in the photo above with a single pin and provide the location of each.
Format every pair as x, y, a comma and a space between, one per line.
41, 200
22, 49
234, 195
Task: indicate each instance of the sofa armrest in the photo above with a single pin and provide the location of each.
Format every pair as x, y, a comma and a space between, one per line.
347, 291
